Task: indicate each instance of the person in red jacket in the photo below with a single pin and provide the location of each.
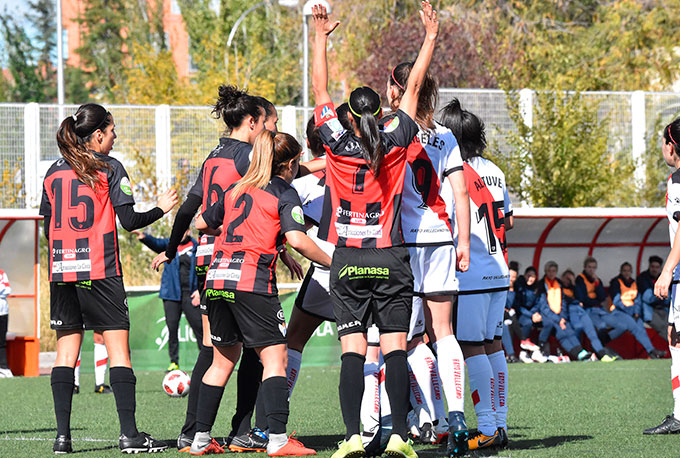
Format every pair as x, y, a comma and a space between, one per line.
83, 193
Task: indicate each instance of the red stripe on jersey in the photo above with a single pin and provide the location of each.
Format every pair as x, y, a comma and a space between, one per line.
422, 167
675, 382
81, 222
102, 362
475, 397
218, 174
482, 198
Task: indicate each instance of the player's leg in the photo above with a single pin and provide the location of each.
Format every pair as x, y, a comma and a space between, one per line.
371, 401
499, 366
173, 312
193, 316
470, 317
671, 424
66, 319
101, 359
301, 328
76, 374
224, 334
640, 333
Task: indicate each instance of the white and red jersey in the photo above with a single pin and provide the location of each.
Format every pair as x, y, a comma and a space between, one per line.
673, 209
311, 189
5, 291
489, 206
431, 158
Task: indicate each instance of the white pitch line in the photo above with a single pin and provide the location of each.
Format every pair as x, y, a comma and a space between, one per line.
36, 439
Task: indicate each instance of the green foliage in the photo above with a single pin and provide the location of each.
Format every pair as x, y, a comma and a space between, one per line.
653, 190
563, 160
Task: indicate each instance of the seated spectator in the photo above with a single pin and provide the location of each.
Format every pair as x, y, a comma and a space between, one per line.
628, 310
510, 324
526, 304
581, 322
654, 310
553, 307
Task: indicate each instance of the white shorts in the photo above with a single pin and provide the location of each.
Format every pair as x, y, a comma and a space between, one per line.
478, 318
434, 270
314, 295
417, 325
373, 336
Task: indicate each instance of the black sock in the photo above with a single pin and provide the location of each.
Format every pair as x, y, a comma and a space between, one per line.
203, 362
600, 354
574, 352
397, 387
274, 394
123, 383
208, 403
261, 411
248, 381
62, 394
352, 390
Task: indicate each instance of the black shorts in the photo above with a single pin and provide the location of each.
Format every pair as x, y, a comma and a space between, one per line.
201, 272
371, 283
100, 305
238, 316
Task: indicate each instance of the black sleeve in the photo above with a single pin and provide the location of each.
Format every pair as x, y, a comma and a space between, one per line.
182, 222
120, 189
399, 131
46, 226
131, 220
197, 188
291, 216
242, 158
214, 215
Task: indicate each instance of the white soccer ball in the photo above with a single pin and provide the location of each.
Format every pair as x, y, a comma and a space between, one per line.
176, 383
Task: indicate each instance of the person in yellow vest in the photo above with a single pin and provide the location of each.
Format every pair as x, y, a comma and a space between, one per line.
580, 320
628, 309
554, 310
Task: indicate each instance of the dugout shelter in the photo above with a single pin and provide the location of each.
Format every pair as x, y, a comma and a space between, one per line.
19, 258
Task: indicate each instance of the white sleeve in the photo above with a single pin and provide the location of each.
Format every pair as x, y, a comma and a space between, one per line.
5, 289
507, 202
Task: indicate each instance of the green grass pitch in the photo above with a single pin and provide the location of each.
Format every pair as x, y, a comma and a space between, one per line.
580, 409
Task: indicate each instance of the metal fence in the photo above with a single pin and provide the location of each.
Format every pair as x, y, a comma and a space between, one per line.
165, 145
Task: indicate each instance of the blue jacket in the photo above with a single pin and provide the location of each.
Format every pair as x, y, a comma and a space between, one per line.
526, 298
645, 284
581, 292
171, 288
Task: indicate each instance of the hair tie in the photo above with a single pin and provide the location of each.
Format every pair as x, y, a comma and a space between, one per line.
395, 79
75, 118
671, 135
357, 114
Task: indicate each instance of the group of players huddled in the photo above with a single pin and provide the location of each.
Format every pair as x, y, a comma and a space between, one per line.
407, 265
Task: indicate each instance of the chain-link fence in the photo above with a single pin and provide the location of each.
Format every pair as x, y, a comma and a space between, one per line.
164, 146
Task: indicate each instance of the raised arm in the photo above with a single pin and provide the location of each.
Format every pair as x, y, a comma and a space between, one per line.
409, 101
323, 27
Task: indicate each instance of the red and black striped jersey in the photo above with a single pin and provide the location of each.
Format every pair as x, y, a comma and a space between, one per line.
83, 239
225, 165
253, 224
362, 210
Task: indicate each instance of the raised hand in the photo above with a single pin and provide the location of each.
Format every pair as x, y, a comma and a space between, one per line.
167, 200
428, 16
322, 24
159, 260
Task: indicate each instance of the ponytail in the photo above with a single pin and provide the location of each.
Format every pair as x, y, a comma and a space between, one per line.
467, 128
271, 153
364, 105
233, 105
72, 137
427, 97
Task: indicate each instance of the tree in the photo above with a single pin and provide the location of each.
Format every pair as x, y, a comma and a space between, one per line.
563, 160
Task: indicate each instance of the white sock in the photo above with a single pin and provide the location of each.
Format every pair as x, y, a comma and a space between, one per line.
76, 372
675, 380
276, 441
452, 372
500, 395
481, 389
370, 402
293, 369
425, 384
101, 358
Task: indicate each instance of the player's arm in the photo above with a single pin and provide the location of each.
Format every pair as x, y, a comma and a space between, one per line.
323, 28
311, 166
509, 222
409, 101
307, 248
664, 281
462, 209
211, 219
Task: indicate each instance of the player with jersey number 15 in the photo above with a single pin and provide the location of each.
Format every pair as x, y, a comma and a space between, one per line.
83, 192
